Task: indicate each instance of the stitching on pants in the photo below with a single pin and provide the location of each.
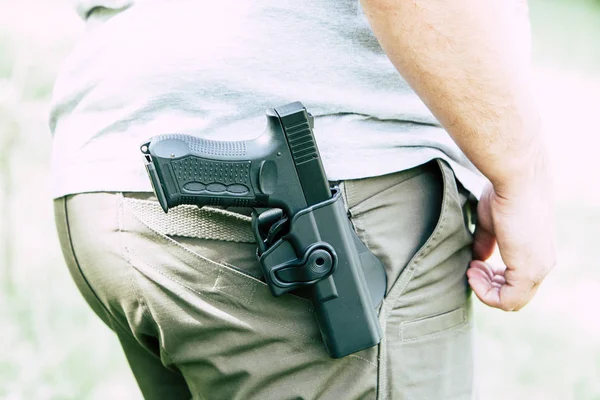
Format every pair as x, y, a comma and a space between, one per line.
204, 296
412, 267
129, 260
217, 288
220, 269
157, 270
133, 285
423, 253
128, 250
213, 263
249, 299
364, 359
132, 280
216, 280
463, 320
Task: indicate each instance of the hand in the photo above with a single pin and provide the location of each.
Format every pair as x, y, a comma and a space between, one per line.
522, 224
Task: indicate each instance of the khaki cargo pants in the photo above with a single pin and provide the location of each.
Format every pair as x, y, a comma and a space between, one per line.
196, 321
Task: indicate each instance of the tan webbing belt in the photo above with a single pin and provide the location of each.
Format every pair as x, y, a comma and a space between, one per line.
192, 221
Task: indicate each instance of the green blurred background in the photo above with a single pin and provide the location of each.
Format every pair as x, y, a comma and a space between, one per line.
53, 347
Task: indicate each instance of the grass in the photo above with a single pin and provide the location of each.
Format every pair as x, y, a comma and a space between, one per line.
53, 347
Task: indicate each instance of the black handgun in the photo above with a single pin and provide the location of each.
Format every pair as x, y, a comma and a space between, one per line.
304, 237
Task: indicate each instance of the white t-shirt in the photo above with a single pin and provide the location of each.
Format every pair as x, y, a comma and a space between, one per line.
212, 68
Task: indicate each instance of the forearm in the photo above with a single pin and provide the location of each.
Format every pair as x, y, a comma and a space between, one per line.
469, 62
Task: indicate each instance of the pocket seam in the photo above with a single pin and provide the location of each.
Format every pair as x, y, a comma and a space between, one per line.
452, 324
424, 251
131, 262
406, 276
218, 288
134, 283
222, 268
214, 264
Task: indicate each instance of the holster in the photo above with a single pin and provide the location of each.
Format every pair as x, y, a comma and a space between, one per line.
318, 249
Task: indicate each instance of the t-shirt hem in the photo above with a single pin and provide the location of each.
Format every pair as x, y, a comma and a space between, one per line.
68, 180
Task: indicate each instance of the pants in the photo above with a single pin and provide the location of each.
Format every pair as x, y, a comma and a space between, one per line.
195, 319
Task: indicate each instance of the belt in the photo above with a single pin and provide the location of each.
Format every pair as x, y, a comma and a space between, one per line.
191, 221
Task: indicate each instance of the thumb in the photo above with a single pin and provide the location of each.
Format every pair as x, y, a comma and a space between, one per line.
486, 282
517, 291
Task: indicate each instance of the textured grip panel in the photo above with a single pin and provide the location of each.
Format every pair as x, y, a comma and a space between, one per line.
210, 147
301, 142
195, 169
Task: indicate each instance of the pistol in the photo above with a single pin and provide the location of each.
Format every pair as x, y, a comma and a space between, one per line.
304, 237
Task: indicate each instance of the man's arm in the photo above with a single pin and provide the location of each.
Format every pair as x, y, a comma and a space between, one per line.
469, 63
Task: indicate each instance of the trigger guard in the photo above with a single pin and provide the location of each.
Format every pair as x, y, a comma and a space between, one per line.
267, 219
276, 231
267, 225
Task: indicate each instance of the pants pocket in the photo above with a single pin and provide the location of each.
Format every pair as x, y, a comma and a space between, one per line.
428, 327
414, 222
431, 325
395, 214
433, 357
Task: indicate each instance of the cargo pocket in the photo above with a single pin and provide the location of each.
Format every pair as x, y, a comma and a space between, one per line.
421, 328
433, 357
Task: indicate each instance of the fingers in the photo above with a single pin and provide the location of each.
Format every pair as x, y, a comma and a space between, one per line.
525, 242
493, 286
483, 281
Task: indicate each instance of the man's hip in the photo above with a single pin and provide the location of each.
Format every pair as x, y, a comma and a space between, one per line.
187, 287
